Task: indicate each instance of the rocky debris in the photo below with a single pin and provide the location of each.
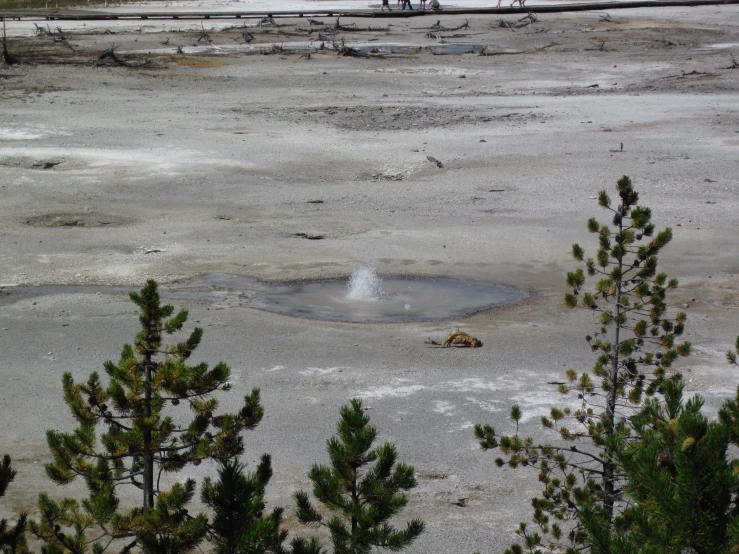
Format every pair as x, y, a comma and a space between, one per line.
435, 161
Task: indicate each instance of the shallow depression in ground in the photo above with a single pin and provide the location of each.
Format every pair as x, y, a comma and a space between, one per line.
368, 298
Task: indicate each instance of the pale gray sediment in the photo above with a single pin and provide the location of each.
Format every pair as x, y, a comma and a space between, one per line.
225, 164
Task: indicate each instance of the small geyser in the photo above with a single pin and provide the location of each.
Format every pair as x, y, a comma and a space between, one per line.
364, 285
369, 298
364, 298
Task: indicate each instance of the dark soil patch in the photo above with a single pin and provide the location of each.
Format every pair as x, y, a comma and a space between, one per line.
396, 118
76, 220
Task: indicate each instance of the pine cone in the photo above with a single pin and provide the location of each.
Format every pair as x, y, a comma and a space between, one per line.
664, 459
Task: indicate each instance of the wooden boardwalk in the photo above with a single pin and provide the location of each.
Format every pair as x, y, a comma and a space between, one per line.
102, 15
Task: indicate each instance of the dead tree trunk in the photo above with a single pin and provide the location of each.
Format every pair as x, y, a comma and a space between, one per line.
8, 59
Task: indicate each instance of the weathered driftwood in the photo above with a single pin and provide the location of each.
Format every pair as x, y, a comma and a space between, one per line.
435, 161
110, 53
203, 35
527, 20
484, 52
273, 49
439, 27
269, 21
128, 61
342, 49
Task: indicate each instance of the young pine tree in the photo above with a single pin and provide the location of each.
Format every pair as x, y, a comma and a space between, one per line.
679, 480
361, 497
12, 540
239, 525
236, 498
635, 341
729, 412
141, 442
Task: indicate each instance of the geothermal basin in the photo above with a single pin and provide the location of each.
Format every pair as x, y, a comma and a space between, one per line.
367, 297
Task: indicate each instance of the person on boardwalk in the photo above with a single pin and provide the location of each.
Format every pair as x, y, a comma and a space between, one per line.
399, 3
385, 4
409, 4
422, 5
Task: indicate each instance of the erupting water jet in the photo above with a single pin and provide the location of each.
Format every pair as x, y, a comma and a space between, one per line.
366, 297
364, 285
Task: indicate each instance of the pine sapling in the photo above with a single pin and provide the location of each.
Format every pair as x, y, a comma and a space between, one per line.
635, 341
681, 480
362, 497
729, 412
678, 479
236, 499
143, 441
12, 539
